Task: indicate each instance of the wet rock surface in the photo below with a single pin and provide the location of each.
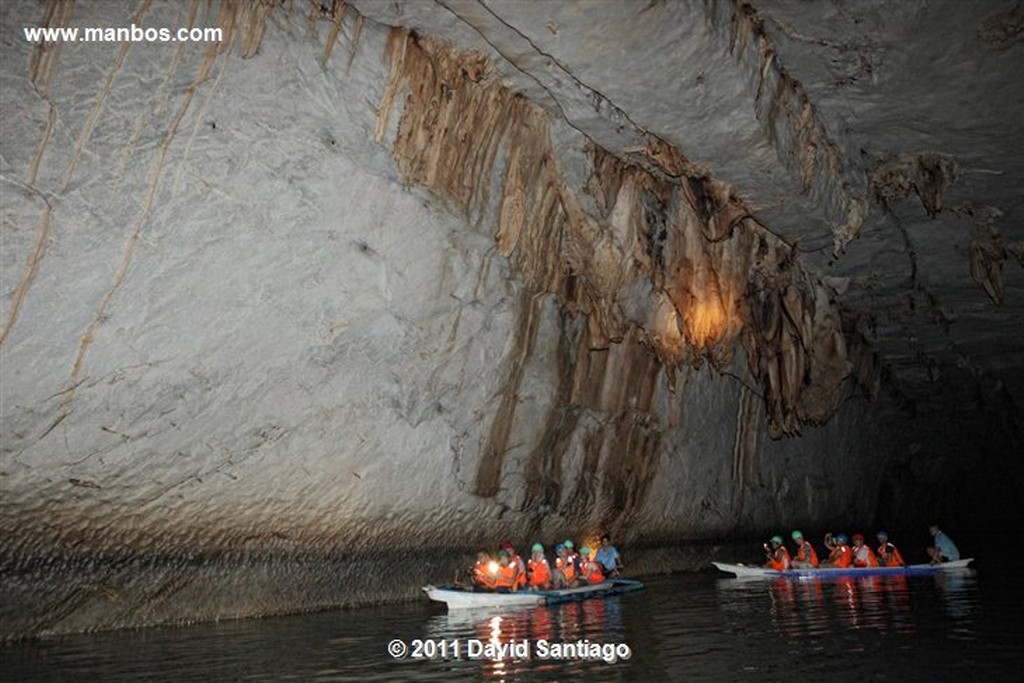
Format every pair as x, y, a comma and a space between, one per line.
298, 319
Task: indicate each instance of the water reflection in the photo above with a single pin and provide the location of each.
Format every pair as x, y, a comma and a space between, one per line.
681, 628
958, 590
814, 606
502, 635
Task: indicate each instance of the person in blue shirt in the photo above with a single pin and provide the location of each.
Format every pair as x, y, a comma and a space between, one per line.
608, 557
944, 549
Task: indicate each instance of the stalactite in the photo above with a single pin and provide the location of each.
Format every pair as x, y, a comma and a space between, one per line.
744, 451
927, 174
1001, 30
544, 463
488, 476
357, 30
337, 18
45, 55
988, 249
672, 255
780, 98
251, 19
630, 468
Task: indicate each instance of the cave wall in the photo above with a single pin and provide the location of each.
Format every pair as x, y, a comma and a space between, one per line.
266, 329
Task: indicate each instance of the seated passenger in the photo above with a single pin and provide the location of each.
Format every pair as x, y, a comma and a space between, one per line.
485, 571
806, 557
572, 555
888, 555
508, 574
841, 554
608, 557
863, 555
564, 575
539, 570
590, 569
778, 556
514, 558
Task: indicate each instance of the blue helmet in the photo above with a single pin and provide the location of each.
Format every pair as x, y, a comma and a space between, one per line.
842, 539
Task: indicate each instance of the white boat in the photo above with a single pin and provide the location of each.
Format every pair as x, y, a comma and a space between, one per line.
463, 598
744, 571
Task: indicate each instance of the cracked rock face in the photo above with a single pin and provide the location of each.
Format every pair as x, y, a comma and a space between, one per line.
372, 284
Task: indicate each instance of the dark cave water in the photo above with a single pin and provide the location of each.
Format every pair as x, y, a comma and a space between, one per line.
696, 627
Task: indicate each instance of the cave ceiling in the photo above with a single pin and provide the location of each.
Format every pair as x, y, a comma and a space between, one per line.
884, 140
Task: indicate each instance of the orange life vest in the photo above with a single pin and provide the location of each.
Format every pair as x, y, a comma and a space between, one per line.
540, 574
592, 572
889, 556
779, 560
521, 574
481, 576
806, 553
506, 576
841, 556
573, 559
864, 556
567, 567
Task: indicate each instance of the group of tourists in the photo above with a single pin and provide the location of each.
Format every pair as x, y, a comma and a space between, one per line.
571, 569
852, 552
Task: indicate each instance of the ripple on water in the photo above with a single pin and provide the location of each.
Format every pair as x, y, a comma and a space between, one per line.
685, 628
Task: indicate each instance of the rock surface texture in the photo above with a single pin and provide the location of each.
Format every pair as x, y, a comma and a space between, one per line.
300, 317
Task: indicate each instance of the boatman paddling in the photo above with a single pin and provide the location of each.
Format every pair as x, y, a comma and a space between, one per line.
944, 549
608, 556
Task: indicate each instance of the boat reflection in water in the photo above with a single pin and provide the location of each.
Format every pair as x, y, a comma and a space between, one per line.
959, 593
589, 621
815, 606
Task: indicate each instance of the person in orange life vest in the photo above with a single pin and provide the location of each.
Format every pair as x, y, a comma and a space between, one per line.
863, 555
507, 573
565, 570
888, 555
484, 571
590, 569
841, 555
778, 556
557, 576
805, 555
539, 569
517, 561
573, 557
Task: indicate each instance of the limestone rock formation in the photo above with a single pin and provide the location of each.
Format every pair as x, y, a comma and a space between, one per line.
373, 284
